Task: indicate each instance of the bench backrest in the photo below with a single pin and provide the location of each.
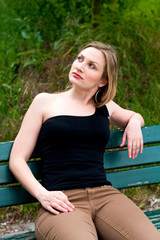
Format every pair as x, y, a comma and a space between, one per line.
120, 170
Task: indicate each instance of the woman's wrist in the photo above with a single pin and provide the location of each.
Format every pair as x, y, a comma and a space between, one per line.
40, 193
137, 119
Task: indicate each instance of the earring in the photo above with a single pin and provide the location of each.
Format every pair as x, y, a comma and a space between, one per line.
97, 96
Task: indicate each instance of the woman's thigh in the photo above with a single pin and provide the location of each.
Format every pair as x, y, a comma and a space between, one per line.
121, 219
76, 225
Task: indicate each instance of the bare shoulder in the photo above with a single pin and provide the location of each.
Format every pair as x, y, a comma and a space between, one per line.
111, 106
43, 97
48, 104
44, 100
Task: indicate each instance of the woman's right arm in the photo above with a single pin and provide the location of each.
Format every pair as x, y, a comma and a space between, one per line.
21, 151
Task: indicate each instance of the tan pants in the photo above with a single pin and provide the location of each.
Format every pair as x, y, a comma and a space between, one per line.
100, 213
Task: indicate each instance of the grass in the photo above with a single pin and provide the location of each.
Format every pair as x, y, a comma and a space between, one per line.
39, 41
25, 212
141, 195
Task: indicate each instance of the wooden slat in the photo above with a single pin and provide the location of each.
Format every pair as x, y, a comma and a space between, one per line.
122, 179
5, 148
113, 159
119, 159
134, 177
14, 195
7, 177
153, 214
150, 135
115, 139
20, 235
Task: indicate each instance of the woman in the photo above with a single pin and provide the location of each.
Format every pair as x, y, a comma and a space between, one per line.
73, 129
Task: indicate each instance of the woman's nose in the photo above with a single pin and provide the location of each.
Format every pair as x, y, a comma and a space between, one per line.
80, 67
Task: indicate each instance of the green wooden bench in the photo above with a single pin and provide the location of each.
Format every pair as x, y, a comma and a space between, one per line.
121, 171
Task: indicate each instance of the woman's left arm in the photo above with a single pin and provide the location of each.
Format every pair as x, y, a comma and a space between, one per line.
132, 122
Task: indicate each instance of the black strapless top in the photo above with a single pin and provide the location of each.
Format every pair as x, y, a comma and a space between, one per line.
72, 150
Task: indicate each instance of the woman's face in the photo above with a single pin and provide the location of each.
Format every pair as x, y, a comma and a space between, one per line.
87, 70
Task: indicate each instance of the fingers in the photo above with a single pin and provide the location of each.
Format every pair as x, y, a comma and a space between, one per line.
61, 207
56, 202
141, 146
133, 135
123, 139
134, 147
66, 201
134, 150
50, 209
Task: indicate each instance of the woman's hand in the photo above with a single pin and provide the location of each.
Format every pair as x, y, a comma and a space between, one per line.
132, 122
133, 135
56, 202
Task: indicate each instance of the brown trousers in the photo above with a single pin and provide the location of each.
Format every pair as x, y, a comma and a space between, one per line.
100, 213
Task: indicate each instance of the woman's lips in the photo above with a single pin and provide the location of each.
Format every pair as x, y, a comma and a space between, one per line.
76, 75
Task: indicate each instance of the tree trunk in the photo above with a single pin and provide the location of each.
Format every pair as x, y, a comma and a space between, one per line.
96, 8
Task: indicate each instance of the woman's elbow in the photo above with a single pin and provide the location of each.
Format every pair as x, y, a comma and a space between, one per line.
11, 164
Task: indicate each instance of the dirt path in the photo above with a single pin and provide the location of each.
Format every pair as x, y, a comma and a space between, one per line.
16, 226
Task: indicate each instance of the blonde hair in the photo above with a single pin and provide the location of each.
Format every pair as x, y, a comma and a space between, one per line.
110, 72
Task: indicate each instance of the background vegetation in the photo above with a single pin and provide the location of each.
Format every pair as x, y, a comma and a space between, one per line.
40, 38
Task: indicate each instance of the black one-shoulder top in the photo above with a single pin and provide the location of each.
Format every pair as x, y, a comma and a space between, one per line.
72, 149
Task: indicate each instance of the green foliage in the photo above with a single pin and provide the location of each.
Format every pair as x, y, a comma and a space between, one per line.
49, 16
135, 32
25, 212
39, 40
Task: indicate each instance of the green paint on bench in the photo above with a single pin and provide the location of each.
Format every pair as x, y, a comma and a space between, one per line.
7, 177
120, 170
154, 216
150, 135
14, 195
22, 235
119, 159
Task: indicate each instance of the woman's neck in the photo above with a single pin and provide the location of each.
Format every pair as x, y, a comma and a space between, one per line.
81, 96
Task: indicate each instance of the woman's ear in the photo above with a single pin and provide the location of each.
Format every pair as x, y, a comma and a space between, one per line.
103, 83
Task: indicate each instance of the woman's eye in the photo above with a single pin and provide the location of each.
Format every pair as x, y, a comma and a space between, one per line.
92, 65
80, 58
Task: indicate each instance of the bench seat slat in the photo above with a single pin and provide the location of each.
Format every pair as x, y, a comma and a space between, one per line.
150, 135
14, 195
5, 148
20, 235
7, 177
152, 214
156, 221
122, 179
119, 159
134, 177
113, 159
